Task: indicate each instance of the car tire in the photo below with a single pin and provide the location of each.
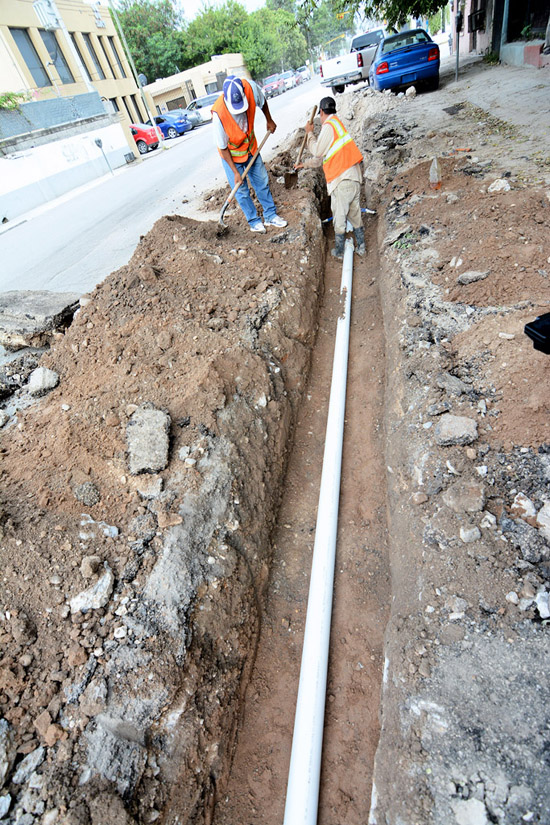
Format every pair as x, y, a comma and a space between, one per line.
338, 90
141, 147
171, 133
433, 84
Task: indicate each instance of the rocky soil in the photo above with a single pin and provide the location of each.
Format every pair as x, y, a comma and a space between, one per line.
143, 466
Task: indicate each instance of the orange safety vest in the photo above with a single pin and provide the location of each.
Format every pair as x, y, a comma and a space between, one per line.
343, 152
240, 145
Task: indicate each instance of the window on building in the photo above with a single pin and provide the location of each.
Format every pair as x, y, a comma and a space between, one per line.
57, 56
176, 103
130, 115
77, 47
138, 110
117, 58
31, 57
114, 101
106, 53
93, 55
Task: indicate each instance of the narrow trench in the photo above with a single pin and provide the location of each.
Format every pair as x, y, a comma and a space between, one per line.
256, 788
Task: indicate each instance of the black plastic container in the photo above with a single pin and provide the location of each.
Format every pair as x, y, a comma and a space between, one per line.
539, 332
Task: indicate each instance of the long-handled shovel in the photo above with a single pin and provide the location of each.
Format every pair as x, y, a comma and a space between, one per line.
222, 227
292, 177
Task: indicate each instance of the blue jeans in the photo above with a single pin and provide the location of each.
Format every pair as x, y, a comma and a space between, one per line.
257, 176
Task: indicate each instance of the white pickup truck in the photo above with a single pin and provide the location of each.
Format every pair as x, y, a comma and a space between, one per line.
353, 67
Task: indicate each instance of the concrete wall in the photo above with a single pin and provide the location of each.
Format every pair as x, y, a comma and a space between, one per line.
32, 175
43, 114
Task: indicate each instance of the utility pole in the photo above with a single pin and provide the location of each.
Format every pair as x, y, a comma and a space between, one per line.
134, 70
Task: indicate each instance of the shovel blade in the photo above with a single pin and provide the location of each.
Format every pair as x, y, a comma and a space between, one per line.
291, 180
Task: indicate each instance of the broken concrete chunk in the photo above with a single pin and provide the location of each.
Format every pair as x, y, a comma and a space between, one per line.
523, 507
455, 430
96, 596
543, 520
5, 802
470, 812
465, 498
42, 380
28, 317
147, 439
499, 185
4, 418
471, 276
7, 750
28, 766
470, 534
451, 384
149, 486
89, 566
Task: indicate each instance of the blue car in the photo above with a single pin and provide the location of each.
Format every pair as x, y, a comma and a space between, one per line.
405, 59
172, 126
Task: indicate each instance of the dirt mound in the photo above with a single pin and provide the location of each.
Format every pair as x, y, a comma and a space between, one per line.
131, 602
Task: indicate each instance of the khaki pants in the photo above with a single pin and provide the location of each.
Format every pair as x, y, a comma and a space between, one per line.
344, 204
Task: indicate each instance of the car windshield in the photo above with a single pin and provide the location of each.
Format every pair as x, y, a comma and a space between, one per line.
271, 79
367, 39
287, 74
405, 40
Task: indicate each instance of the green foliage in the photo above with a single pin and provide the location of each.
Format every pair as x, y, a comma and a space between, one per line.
393, 12
12, 100
260, 44
151, 28
215, 31
293, 42
491, 58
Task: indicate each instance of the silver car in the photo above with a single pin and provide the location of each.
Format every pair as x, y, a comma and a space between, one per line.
193, 116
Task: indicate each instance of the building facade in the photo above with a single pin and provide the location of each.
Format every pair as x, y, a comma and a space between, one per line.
64, 49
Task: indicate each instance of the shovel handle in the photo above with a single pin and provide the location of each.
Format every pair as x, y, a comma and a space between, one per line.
310, 120
245, 173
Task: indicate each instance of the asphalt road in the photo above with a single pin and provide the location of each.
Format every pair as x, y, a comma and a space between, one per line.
73, 243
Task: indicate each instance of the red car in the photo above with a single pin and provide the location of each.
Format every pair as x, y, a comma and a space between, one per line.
273, 85
146, 137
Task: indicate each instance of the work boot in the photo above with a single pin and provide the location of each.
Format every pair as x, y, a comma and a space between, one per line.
338, 251
359, 240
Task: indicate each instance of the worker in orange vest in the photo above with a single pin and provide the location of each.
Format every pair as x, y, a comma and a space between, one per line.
337, 152
233, 116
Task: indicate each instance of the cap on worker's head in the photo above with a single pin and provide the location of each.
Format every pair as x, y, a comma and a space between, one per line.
234, 96
328, 106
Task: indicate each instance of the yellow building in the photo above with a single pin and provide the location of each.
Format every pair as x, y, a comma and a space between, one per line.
65, 48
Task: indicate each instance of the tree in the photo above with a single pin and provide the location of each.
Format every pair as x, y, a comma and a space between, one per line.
215, 31
393, 12
260, 44
151, 28
293, 42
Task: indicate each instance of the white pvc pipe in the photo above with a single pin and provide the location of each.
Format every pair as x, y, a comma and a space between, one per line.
302, 798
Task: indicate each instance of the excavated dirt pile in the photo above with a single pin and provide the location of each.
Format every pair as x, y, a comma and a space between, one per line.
137, 501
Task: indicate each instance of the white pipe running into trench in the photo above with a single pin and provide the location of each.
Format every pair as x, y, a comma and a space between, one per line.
302, 798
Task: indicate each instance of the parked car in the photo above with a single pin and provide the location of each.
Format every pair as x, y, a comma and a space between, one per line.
410, 57
339, 72
172, 125
297, 78
273, 85
203, 105
192, 115
304, 73
289, 80
145, 136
